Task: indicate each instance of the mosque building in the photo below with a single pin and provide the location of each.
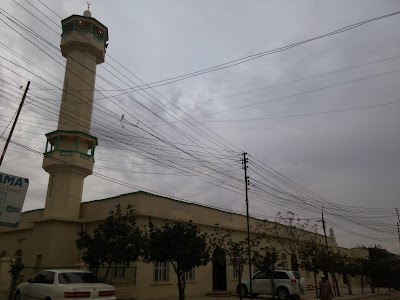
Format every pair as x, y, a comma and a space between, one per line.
45, 238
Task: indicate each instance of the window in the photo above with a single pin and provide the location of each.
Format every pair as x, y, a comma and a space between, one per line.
281, 275
284, 262
296, 275
83, 25
160, 271
260, 275
189, 276
77, 277
68, 26
38, 263
44, 278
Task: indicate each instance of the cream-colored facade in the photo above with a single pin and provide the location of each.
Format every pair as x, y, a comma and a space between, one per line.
57, 246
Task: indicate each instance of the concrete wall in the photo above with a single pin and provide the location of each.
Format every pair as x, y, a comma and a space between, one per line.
54, 239
5, 280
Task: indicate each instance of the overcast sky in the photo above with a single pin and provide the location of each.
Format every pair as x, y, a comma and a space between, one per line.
350, 157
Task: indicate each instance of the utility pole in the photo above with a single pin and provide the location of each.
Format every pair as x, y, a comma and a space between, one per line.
246, 180
323, 226
327, 251
15, 123
398, 223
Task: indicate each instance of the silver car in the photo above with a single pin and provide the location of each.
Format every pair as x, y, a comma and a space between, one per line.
288, 284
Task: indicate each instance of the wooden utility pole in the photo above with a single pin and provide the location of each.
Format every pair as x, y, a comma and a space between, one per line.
398, 223
15, 123
246, 180
327, 252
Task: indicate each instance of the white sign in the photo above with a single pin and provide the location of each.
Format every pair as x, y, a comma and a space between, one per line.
12, 196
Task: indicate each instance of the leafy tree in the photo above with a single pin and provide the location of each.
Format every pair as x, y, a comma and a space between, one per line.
291, 233
332, 236
15, 274
181, 244
265, 259
312, 256
383, 267
117, 241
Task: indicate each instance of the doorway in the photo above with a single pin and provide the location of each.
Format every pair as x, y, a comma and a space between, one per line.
219, 269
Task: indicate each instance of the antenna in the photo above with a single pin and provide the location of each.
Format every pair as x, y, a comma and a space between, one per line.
88, 5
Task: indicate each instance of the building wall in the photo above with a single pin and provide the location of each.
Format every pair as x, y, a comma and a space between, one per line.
54, 240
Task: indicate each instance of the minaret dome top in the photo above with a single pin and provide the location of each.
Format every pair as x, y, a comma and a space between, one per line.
87, 13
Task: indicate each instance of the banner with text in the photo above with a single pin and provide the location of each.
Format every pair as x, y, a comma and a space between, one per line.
12, 196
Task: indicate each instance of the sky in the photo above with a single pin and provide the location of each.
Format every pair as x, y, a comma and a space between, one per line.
324, 114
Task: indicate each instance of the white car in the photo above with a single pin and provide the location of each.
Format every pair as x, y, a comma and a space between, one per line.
288, 284
61, 284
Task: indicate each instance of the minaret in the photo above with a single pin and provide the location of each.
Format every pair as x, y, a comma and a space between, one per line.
69, 154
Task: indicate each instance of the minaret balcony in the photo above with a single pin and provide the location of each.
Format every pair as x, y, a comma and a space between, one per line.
84, 33
69, 151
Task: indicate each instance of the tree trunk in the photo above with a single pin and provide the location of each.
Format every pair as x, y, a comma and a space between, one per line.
316, 285
362, 284
349, 285
336, 282
105, 275
181, 285
15, 271
13, 287
240, 281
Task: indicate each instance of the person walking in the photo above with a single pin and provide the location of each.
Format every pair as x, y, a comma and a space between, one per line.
325, 290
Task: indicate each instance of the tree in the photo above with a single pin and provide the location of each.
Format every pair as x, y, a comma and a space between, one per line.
237, 251
332, 236
15, 274
311, 257
291, 233
181, 244
265, 259
117, 241
383, 268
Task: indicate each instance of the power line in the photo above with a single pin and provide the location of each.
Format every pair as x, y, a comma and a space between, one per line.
254, 56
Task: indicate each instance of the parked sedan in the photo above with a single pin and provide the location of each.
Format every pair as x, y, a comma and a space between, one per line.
61, 284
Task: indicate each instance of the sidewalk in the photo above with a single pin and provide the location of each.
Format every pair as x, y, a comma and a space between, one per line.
357, 294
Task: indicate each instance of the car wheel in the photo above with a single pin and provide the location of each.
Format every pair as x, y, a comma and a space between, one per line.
282, 294
17, 295
242, 290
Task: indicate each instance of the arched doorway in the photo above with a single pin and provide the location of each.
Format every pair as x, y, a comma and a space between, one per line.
219, 269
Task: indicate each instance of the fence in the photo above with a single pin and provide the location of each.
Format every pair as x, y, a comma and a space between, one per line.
116, 275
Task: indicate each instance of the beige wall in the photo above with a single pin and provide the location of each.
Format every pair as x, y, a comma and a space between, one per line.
54, 239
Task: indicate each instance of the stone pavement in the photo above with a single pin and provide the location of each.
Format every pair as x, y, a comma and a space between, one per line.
382, 293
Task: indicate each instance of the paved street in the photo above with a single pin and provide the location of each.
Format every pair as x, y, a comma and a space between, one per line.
383, 294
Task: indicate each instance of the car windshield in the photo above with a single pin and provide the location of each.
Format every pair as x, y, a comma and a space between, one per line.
77, 277
296, 275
